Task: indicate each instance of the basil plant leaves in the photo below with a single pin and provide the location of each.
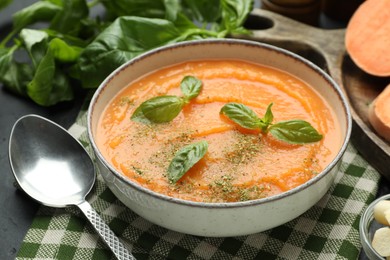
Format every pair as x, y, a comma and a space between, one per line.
81, 47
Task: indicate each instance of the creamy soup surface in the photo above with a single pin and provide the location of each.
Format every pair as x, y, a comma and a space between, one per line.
240, 164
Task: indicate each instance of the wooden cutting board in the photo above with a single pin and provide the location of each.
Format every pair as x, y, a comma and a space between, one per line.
326, 49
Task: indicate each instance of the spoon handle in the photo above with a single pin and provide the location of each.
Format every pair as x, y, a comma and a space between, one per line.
105, 232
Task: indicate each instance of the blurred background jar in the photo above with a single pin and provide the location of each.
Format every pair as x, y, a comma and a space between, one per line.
340, 10
309, 11
306, 11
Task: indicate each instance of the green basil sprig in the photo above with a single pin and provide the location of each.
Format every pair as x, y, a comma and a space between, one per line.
185, 158
95, 45
163, 109
291, 131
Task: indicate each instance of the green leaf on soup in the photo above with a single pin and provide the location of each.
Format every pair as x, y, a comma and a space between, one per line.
191, 87
295, 131
161, 109
242, 115
291, 131
138, 116
185, 159
268, 118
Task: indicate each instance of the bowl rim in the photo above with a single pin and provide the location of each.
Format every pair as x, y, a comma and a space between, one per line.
368, 216
237, 204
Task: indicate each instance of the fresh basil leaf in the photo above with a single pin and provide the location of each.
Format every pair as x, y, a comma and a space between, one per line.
124, 39
268, 118
172, 9
234, 14
295, 131
4, 3
110, 43
165, 108
15, 76
189, 31
35, 42
162, 109
67, 21
191, 87
5, 57
141, 8
56, 2
69, 39
49, 85
183, 23
138, 116
242, 115
185, 159
203, 11
37, 12
64, 52
31, 36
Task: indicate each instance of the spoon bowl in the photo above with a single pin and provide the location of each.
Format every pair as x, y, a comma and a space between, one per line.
54, 169
48, 164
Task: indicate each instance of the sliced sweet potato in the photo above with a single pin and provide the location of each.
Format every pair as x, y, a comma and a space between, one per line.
367, 37
379, 113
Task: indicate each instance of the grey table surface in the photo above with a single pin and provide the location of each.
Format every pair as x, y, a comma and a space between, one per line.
16, 209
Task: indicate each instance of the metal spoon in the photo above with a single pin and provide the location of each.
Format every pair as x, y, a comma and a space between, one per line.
54, 169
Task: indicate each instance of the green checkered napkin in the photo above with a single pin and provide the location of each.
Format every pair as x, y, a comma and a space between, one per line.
329, 230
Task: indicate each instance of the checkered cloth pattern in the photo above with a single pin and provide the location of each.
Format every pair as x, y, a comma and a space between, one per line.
329, 230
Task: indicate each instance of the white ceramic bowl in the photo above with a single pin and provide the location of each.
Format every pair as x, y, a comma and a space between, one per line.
219, 219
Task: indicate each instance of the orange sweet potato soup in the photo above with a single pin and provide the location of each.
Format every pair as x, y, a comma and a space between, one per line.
240, 164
